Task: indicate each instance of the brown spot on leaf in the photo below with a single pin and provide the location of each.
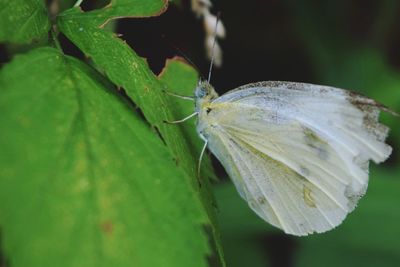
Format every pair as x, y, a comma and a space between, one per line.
107, 227
176, 161
146, 90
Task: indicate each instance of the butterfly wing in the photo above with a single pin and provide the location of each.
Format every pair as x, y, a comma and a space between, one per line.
298, 153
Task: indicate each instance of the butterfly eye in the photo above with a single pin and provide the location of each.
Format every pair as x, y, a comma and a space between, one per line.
200, 92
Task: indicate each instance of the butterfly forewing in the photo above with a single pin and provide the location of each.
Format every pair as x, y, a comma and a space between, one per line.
298, 153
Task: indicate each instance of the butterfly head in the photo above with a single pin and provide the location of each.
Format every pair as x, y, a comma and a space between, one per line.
204, 91
204, 94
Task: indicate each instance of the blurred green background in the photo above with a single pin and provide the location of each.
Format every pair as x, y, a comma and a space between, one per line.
343, 43
348, 44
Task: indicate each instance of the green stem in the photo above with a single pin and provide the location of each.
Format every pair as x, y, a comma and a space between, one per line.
55, 40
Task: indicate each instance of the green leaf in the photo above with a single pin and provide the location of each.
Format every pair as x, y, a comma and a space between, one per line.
22, 21
127, 70
180, 78
83, 180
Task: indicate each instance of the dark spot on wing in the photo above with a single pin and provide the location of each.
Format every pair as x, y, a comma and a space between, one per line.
308, 198
366, 104
208, 110
316, 143
370, 109
261, 200
252, 204
304, 171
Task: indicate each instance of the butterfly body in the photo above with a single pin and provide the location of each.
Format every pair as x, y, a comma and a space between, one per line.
297, 153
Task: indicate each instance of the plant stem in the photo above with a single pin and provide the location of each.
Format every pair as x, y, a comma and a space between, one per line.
55, 40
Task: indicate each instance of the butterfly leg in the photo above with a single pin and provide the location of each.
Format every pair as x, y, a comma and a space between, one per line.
179, 96
201, 157
182, 120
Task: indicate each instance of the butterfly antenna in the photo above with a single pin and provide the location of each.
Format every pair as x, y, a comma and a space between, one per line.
181, 53
78, 3
213, 48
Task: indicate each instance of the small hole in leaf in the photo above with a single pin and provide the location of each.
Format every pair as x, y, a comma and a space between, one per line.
70, 48
93, 5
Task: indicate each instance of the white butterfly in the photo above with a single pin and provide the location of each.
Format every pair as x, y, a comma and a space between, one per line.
297, 153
